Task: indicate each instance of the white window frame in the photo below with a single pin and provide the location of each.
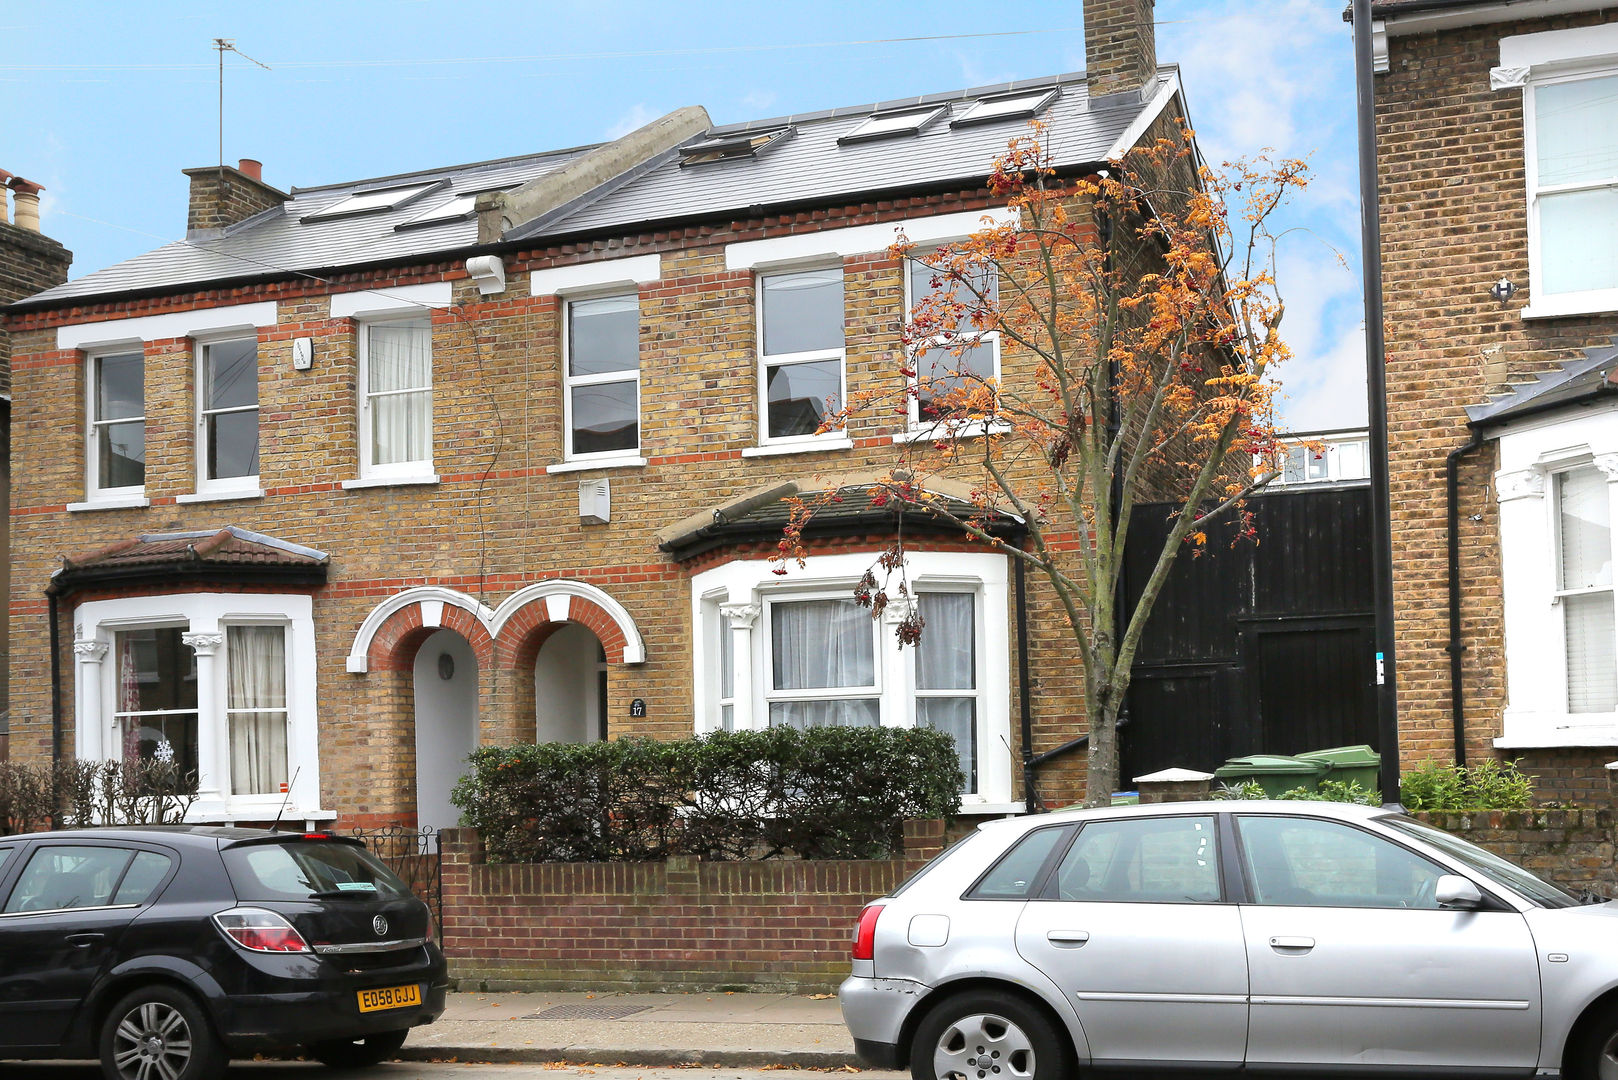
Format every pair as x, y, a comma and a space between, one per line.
206, 618
416, 470
768, 693
943, 426
94, 491
766, 361
1559, 591
632, 454
750, 586
1570, 303
1531, 454
227, 485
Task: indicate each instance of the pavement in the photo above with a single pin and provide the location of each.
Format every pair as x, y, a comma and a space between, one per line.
729, 1030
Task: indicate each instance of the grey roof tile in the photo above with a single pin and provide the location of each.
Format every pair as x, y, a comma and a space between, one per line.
1575, 382
811, 166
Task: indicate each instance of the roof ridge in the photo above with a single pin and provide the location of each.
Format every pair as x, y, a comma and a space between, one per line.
444, 170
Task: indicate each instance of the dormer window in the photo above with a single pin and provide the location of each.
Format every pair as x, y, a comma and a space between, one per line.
369, 202
888, 125
1018, 106
743, 144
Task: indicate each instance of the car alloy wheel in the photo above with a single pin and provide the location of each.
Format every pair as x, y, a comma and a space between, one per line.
983, 1046
1607, 1059
159, 1033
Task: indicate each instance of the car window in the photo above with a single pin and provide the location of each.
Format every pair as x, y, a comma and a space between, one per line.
5, 853
59, 877
1172, 860
1526, 884
142, 878
1307, 862
297, 871
1017, 872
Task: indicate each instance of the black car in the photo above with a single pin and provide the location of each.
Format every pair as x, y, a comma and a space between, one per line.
164, 951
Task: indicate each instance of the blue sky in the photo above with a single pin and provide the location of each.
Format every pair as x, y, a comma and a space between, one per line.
105, 103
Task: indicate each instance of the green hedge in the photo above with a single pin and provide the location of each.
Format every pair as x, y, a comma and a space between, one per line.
822, 793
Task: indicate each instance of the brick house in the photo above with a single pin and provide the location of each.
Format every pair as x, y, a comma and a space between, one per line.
357, 477
1497, 137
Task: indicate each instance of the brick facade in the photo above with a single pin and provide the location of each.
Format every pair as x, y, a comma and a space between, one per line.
1454, 221
683, 924
222, 196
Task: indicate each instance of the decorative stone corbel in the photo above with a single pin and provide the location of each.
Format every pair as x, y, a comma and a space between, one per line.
1521, 484
1508, 78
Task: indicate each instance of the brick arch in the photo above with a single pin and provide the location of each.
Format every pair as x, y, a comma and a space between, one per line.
530, 615
395, 629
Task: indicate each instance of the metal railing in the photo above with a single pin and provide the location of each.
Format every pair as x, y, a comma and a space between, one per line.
415, 856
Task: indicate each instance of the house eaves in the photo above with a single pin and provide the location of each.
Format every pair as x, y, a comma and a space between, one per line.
1576, 383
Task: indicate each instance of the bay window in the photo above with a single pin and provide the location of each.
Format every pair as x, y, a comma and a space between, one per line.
1584, 590
155, 711
256, 708
822, 664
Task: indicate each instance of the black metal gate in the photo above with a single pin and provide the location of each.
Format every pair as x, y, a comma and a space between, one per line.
1265, 648
414, 855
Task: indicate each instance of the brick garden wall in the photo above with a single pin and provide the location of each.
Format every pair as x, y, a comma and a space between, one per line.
1571, 848
682, 924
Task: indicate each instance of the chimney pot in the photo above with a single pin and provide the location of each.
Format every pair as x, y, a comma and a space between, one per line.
250, 167
25, 200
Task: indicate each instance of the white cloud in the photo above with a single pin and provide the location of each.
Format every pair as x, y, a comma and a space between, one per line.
639, 115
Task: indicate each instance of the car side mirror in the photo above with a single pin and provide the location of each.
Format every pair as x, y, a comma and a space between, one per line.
1457, 893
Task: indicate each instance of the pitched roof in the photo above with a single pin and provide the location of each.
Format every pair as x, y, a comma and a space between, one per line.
810, 166
224, 554
1577, 382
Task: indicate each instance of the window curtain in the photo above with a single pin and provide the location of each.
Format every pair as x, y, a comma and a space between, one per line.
823, 645
399, 372
128, 696
256, 704
946, 659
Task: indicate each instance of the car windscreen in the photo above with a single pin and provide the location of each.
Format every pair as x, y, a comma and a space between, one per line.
1485, 862
304, 870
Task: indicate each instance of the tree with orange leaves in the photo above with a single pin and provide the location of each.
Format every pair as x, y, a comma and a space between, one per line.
1139, 334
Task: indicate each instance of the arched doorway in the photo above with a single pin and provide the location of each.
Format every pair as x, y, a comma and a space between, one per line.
570, 686
446, 695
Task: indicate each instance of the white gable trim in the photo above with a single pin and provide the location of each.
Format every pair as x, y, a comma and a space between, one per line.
861, 239
174, 324
1145, 118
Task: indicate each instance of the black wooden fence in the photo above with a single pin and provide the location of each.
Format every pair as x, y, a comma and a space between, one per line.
1256, 648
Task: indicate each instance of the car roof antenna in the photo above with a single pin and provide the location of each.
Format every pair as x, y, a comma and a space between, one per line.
275, 826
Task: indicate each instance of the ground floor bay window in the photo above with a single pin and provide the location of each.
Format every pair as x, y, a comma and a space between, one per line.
221, 684
797, 650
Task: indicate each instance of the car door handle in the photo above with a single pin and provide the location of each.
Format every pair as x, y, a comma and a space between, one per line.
1067, 939
84, 941
1292, 944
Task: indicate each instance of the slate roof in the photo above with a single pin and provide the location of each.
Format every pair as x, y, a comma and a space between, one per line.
809, 167
1576, 382
222, 554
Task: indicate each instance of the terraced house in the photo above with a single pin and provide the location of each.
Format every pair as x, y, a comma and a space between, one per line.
357, 477
1497, 132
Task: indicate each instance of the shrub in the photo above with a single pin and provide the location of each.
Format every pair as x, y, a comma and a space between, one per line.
824, 793
1488, 785
75, 794
1348, 791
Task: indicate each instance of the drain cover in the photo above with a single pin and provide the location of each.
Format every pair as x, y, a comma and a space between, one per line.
587, 1010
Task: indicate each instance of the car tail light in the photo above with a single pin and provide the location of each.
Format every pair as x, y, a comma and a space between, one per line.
865, 933
260, 931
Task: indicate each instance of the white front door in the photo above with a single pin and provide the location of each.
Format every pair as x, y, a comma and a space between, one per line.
446, 682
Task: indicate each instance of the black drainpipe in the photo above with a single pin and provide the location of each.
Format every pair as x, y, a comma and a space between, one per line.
56, 678
1456, 647
1030, 792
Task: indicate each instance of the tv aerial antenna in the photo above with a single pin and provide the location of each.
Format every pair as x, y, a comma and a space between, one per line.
225, 45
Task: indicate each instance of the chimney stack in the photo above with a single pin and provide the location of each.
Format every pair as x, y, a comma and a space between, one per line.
221, 196
1120, 46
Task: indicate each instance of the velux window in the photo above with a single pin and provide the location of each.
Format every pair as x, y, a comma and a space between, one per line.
227, 421
117, 436
396, 398
603, 376
1573, 188
960, 356
1585, 590
801, 317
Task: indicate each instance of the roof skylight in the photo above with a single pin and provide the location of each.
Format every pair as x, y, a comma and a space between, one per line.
727, 147
457, 207
890, 124
367, 202
1006, 107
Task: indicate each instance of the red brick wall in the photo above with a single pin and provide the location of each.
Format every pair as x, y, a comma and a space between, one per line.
682, 924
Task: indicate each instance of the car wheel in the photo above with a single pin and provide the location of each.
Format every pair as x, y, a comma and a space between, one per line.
358, 1053
1594, 1056
984, 1036
159, 1033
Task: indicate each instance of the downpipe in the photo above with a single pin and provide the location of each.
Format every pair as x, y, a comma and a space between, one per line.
1456, 647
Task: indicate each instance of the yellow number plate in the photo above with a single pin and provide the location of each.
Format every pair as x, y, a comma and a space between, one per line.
393, 997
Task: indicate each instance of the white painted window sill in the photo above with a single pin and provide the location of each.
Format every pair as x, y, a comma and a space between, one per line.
1547, 736
121, 502
993, 808
597, 463
777, 449
1554, 310
220, 496
391, 481
932, 432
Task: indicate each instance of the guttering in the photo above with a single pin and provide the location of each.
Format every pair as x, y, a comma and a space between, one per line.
1456, 647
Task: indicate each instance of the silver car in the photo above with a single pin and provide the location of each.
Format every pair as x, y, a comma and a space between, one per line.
1265, 937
